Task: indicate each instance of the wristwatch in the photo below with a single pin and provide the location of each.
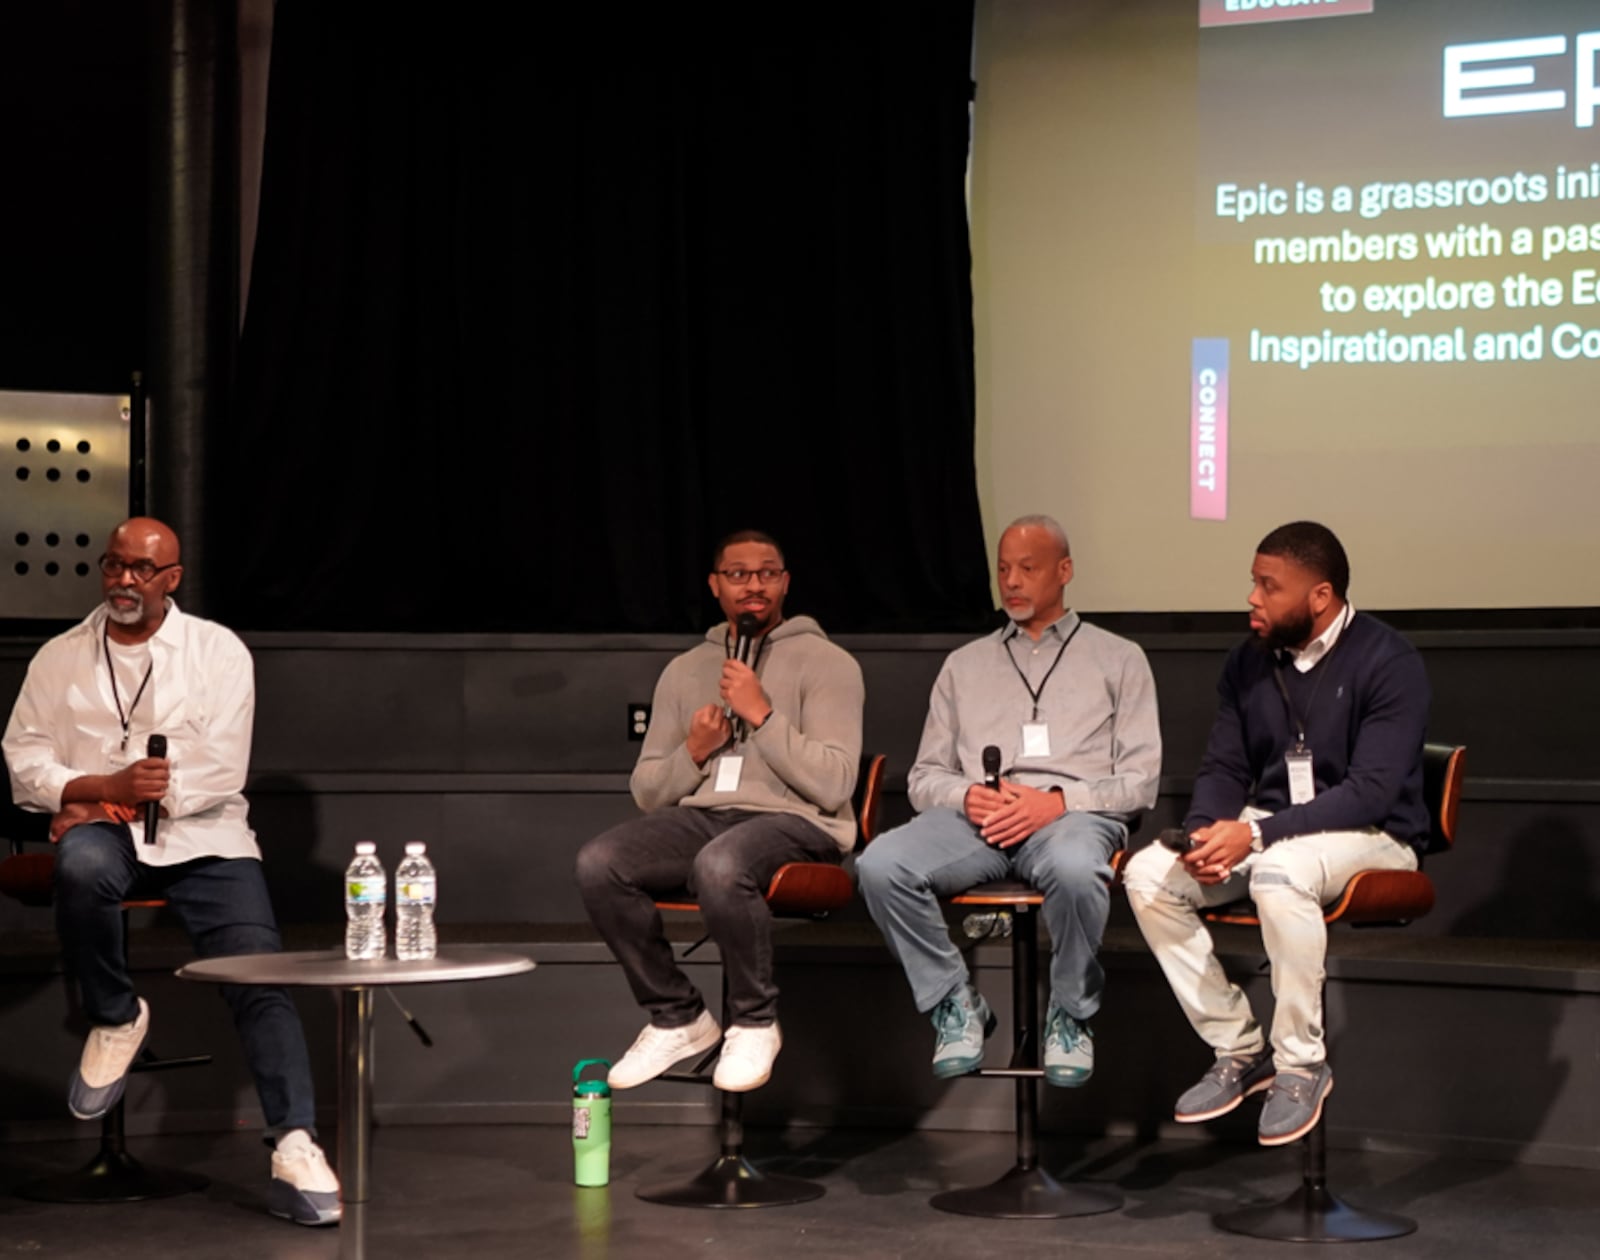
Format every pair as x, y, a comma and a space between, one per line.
1256, 842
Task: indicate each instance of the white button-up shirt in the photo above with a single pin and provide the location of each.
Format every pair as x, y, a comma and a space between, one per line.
201, 696
1306, 658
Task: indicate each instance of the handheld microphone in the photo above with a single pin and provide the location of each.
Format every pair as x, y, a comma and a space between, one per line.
157, 747
744, 634
1176, 839
991, 768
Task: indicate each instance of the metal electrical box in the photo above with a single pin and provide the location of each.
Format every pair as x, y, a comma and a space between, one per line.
63, 489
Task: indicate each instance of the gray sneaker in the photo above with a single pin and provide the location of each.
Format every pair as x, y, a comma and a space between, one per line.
1294, 1106
1068, 1049
962, 1021
1231, 1080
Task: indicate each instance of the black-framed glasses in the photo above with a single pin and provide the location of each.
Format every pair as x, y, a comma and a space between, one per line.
740, 576
142, 570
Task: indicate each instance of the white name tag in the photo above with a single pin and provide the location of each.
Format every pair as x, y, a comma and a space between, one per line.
1036, 739
728, 771
1302, 784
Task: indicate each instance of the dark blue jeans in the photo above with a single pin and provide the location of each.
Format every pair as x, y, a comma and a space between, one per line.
224, 907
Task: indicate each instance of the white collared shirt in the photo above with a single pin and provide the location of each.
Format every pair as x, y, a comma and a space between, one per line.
1306, 658
201, 696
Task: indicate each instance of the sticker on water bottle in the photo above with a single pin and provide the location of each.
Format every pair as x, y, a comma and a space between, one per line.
365, 891
418, 891
580, 1122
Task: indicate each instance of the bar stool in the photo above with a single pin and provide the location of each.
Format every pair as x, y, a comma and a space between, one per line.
1313, 1213
805, 890
113, 1175
1026, 1191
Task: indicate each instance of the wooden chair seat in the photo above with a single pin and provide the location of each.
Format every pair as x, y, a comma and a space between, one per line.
1370, 898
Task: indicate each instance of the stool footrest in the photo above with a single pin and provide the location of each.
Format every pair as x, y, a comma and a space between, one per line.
732, 1182
1029, 1194
166, 1065
1313, 1214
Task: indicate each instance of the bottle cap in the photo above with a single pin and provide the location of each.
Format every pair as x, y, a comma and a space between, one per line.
415, 848
365, 848
590, 1089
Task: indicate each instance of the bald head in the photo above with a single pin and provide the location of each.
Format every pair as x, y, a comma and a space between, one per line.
147, 537
137, 573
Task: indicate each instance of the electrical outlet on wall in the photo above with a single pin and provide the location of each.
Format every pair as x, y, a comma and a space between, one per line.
638, 720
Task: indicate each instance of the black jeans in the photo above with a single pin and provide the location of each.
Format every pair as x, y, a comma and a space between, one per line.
223, 905
725, 859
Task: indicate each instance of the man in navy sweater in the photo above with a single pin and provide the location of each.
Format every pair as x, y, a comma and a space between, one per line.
1313, 772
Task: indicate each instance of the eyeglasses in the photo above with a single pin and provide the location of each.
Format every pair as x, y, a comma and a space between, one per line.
142, 570
739, 577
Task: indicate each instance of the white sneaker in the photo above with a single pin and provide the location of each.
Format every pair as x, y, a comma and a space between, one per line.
102, 1072
747, 1055
304, 1189
657, 1049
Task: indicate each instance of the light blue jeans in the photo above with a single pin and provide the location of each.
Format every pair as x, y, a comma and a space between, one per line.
904, 873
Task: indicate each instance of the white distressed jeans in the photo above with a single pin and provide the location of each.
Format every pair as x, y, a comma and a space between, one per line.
1290, 883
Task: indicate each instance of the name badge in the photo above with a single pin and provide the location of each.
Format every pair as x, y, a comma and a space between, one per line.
1036, 739
1302, 784
728, 772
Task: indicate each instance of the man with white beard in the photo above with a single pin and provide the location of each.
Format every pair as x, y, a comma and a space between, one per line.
135, 667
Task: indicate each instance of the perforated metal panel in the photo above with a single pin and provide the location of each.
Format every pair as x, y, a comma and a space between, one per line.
63, 488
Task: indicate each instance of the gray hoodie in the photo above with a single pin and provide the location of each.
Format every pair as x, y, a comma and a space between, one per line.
804, 758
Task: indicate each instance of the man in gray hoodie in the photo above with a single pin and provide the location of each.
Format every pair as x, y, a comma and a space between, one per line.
745, 767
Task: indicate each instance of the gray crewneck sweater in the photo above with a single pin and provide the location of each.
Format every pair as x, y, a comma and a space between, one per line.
804, 758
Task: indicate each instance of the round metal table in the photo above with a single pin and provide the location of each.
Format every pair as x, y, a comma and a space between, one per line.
330, 969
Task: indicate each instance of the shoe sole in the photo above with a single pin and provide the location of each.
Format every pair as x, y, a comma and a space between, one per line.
1283, 1139
1199, 1117
288, 1203
117, 1087
1070, 1078
698, 1047
947, 1068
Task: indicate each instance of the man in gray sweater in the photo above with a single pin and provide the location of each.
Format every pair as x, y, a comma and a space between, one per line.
1071, 710
746, 767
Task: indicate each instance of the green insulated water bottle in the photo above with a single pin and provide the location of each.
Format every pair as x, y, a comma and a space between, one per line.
591, 1126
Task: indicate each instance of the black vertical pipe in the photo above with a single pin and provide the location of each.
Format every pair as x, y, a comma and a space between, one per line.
194, 286
1025, 1009
138, 450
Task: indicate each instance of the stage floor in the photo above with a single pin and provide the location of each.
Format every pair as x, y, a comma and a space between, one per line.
494, 1191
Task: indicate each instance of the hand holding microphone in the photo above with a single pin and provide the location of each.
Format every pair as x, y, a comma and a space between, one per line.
984, 798
740, 688
156, 750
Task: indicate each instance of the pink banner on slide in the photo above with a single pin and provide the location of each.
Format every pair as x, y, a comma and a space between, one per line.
1208, 430
1231, 12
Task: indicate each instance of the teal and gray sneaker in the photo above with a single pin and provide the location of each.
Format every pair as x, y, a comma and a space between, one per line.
962, 1021
1068, 1049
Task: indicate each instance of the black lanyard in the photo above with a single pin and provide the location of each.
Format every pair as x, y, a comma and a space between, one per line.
1295, 720
126, 719
1035, 692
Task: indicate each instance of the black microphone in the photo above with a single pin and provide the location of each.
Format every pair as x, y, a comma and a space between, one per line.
157, 747
1177, 839
744, 634
991, 768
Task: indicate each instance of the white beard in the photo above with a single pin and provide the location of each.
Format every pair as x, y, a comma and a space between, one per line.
126, 617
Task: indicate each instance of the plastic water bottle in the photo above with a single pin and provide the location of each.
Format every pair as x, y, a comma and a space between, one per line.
987, 925
415, 889
366, 894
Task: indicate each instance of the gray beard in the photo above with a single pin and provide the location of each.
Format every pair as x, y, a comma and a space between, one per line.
126, 618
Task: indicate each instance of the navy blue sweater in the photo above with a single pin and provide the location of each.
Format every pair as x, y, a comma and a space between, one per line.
1365, 729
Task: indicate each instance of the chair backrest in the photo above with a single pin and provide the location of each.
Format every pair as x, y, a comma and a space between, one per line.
1444, 767
868, 798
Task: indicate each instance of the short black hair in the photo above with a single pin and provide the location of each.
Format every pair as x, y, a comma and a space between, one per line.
744, 536
1311, 546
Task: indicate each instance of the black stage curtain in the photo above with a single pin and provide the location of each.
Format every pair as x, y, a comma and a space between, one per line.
541, 307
